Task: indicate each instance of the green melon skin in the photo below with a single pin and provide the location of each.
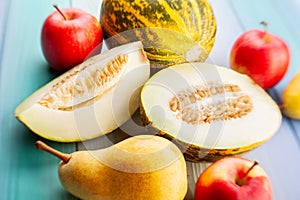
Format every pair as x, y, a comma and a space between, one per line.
195, 153
172, 31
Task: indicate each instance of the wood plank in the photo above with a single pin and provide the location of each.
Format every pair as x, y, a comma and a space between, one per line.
228, 29
289, 12
279, 16
91, 6
280, 159
25, 172
29, 174
284, 147
4, 5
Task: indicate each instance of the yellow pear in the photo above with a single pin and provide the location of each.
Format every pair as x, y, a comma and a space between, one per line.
140, 167
291, 98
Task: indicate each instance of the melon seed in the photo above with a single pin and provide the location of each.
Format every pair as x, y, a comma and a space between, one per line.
84, 83
214, 102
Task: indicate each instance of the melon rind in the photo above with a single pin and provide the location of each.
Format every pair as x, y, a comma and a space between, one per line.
208, 141
98, 116
172, 31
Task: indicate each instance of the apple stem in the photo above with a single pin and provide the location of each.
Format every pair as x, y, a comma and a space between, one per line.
267, 38
242, 180
62, 14
64, 157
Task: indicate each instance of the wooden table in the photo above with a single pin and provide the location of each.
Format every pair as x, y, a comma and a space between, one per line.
26, 173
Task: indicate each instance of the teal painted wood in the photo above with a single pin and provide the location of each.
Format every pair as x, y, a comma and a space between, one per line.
90, 6
282, 151
25, 173
4, 5
291, 15
282, 18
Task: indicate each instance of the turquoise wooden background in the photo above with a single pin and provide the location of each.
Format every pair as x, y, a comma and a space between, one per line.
26, 173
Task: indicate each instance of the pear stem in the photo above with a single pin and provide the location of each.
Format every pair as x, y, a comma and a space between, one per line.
242, 180
63, 156
60, 12
267, 38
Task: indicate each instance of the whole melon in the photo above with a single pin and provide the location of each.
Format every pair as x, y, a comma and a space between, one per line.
172, 31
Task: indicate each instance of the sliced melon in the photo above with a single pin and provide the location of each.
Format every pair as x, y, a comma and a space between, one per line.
209, 111
90, 100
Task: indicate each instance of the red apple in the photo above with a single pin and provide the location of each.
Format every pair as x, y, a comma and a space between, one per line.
233, 178
261, 55
69, 36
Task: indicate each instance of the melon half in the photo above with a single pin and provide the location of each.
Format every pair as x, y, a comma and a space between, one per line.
209, 111
91, 99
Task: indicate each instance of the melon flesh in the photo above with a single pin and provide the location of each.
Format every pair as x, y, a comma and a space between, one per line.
221, 134
95, 112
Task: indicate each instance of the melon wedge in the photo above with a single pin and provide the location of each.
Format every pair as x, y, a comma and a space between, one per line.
209, 111
90, 100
